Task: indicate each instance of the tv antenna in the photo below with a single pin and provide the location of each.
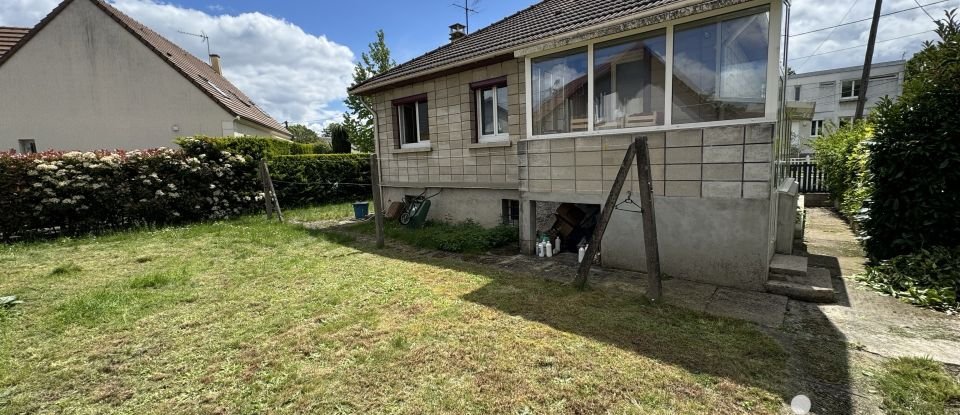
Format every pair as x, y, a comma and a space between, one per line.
466, 12
202, 35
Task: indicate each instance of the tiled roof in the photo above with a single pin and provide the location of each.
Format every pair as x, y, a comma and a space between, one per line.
538, 22
197, 71
9, 36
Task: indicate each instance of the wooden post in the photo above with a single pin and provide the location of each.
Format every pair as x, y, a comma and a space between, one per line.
649, 219
377, 199
583, 272
266, 189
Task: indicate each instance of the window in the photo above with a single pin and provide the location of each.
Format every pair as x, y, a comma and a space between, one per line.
850, 89
412, 122
816, 128
842, 121
720, 68
629, 77
559, 92
491, 115
510, 211
28, 146
796, 92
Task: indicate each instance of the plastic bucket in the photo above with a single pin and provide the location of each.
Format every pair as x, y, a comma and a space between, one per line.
361, 209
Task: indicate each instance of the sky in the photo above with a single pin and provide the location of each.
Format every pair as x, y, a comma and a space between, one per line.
295, 58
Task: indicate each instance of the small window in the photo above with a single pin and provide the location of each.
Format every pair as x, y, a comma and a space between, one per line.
844, 121
816, 128
796, 93
510, 211
412, 122
559, 92
850, 89
492, 113
28, 146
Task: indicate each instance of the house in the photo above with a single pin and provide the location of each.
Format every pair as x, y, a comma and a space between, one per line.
90, 77
538, 109
834, 93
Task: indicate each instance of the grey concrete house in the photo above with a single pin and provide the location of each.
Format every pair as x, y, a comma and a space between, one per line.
834, 93
89, 77
538, 109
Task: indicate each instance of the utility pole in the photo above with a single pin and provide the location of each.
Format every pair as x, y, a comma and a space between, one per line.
867, 62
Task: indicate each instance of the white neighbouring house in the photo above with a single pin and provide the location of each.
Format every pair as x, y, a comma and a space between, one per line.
89, 77
834, 93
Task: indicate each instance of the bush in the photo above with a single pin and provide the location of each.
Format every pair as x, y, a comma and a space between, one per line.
842, 155
915, 155
929, 278
321, 178
256, 147
71, 193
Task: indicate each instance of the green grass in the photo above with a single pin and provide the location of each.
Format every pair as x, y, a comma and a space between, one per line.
466, 237
918, 386
250, 316
322, 213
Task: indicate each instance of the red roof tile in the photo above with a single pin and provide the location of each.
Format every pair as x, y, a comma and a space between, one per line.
9, 36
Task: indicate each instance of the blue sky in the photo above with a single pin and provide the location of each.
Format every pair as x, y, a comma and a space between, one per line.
295, 57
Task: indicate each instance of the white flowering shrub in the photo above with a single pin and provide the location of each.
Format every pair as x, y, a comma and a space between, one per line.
74, 192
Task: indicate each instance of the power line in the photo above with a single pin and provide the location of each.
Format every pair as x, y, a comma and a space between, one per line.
870, 18
925, 11
860, 46
817, 49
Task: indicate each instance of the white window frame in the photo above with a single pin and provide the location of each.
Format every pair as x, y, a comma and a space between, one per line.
495, 137
25, 141
774, 69
854, 89
403, 141
816, 126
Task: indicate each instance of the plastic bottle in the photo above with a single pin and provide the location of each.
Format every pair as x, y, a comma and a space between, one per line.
548, 247
582, 253
540, 249
556, 246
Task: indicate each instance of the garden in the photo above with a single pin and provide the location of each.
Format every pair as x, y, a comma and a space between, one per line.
896, 178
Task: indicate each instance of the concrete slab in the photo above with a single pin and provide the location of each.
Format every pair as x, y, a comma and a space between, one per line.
788, 265
815, 287
687, 294
761, 308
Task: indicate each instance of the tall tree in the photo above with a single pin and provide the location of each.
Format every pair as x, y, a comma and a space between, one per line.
303, 134
358, 121
339, 138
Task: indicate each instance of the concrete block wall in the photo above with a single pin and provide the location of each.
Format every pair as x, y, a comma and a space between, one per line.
453, 160
731, 162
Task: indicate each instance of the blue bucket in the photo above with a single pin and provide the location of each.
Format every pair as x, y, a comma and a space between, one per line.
360, 209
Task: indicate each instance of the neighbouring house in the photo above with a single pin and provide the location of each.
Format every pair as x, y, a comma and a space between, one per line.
833, 95
537, 110
90, 77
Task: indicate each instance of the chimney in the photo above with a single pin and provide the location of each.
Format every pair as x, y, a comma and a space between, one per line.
457, 31
215, 63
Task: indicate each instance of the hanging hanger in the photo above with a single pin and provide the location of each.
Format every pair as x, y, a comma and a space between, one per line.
628, 201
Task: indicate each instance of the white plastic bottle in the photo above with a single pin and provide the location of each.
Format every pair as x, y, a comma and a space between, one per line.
556, 246
548, 247
540, 249
581, 253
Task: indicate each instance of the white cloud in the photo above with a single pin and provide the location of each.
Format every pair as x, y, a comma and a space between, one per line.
814, 14
293, 75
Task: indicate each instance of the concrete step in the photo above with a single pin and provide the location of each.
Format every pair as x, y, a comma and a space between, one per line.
815, 287
788, 265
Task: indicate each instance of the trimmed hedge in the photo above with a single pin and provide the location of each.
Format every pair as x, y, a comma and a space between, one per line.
321, 178
256, 147
842, 156
71, 193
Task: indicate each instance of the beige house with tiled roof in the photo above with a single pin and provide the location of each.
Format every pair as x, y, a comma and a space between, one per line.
539, 108
90, 77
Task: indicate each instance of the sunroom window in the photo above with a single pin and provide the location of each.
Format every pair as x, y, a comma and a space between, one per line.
559, 92
629, 82
720, 68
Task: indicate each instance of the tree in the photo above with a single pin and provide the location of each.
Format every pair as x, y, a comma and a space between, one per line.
303, 134
358, 121
339, 137
915, 155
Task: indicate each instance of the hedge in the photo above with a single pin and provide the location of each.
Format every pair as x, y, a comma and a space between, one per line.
256, 147
842, 155
70, 193
321, 178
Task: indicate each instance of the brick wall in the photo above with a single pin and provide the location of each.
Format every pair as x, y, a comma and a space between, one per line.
453, 160
716, 162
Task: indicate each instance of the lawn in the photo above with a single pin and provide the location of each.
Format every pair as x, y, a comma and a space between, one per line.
250, 316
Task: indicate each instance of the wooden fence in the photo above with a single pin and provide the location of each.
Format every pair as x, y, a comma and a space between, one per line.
809, 177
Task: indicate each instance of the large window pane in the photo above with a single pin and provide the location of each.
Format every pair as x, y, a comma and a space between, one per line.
629, 78
559, 89
408, 123
502, 119
720, 68
486, 111
424, 124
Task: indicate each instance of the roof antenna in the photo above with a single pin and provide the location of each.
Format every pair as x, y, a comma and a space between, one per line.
466, 11
202, 35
